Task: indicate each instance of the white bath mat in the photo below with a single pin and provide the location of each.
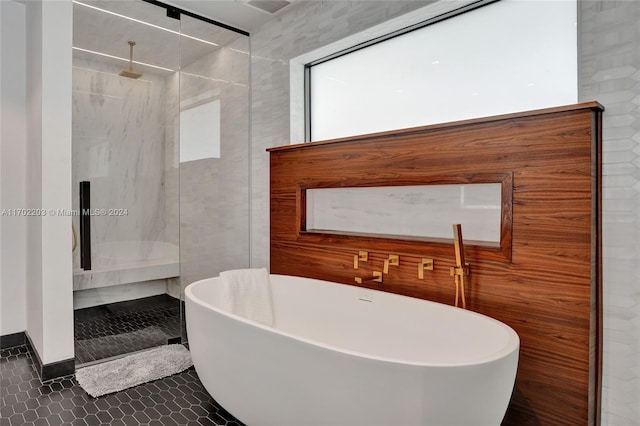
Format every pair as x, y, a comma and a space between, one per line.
133, 370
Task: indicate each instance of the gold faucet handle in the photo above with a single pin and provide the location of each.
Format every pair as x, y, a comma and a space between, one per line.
393, 260
362, 256
425, 264
454, 270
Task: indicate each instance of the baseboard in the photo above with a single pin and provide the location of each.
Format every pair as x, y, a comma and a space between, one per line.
52, 370
58, 369
11, 340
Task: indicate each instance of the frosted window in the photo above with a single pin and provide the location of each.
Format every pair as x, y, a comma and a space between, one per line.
508, 56
420, 210
200, 132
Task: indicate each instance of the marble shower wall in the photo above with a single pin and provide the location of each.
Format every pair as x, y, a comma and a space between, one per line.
119, 146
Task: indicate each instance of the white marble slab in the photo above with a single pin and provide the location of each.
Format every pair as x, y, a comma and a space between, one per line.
113, 294
125, 274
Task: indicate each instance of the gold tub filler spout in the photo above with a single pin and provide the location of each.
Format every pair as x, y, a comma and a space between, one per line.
461, 269
363, 256
377, 277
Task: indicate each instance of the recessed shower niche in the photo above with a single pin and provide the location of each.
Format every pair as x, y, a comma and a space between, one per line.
419, 211
143, 82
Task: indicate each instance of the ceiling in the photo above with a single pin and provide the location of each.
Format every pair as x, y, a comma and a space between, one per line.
106, 26
97, 30
243, 14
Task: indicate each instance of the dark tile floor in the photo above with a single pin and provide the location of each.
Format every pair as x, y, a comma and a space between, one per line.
124, 327
176, 400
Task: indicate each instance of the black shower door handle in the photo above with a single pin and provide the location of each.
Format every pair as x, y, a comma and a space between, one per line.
85, 225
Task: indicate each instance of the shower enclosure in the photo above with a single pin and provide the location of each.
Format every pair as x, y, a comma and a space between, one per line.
160, 168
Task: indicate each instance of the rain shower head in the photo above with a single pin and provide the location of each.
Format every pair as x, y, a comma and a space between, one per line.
130, 73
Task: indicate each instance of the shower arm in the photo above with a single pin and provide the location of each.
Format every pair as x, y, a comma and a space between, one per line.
131, 44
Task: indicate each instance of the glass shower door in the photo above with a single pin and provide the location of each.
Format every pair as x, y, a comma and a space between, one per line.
161, 150
214, 150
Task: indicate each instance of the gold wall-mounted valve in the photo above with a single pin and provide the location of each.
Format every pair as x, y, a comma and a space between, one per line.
425, 264
362, 256
454, 270
393, 260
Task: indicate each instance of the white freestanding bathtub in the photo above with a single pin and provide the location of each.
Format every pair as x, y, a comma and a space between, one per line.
343, 355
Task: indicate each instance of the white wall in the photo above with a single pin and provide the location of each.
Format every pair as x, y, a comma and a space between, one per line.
49, 274
56, 181
12, 167
34, 173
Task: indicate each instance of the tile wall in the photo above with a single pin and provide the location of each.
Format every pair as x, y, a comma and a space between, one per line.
307, 26
609, 72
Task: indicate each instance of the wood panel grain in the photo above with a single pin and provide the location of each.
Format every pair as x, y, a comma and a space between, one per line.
548, 284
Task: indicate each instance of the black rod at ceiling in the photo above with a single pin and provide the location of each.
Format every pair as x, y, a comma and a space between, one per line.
175, 12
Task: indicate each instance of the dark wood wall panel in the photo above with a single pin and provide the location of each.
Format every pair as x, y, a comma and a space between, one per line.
548, 287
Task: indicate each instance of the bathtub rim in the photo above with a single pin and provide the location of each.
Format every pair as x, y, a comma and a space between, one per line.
511, 345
